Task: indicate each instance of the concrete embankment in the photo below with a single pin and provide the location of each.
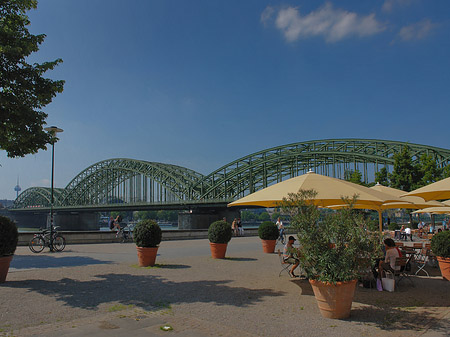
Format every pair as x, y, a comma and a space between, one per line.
107, 236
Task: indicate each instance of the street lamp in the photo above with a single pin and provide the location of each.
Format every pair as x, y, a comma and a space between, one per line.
53, 130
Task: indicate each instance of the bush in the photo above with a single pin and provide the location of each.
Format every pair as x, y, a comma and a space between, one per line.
219, 232
147, 233
393, 226
334, 247
8, 236
268, 231
440, 244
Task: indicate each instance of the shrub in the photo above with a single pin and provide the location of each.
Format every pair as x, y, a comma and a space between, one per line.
334, 247
440, 244
393, 226
219, 232
268, 231
147, 233
8, 236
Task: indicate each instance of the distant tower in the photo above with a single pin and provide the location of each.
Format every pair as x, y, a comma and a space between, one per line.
17, 188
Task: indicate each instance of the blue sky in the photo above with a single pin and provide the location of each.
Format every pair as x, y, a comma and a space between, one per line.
202, 83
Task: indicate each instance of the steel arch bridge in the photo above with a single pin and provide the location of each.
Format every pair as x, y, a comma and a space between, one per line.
137, 182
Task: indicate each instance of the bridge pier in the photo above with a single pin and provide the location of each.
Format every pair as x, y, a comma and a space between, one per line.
202, 220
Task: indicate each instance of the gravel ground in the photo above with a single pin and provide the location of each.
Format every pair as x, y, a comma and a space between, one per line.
98, 290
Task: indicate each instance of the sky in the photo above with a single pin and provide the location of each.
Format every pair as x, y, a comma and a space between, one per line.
202, 83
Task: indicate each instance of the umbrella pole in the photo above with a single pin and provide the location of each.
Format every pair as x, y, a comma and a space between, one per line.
380, 220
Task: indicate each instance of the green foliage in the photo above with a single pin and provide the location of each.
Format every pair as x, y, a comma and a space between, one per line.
8, 236
334, 247
393, 226
147, 233
268, 231
382, 177
356, 178
372, 225
404, 174
247, 215
24, 92
440, 244
427, 171
219, 232
264, 216
275, 216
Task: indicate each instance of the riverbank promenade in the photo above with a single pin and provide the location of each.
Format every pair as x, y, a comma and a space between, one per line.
98, 290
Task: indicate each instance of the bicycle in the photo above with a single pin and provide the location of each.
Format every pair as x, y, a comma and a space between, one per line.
282, 237
42, 239
125, 234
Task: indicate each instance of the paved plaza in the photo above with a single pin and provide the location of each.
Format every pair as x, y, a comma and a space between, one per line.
98, 290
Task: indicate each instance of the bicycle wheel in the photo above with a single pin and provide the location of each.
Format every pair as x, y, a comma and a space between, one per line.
36, 244
59, 243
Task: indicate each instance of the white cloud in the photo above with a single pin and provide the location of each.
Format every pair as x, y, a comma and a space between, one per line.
389, 5
416, 31
266, 15
332, 24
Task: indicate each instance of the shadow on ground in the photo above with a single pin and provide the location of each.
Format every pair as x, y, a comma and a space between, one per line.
412, 306
145, 291
45, 261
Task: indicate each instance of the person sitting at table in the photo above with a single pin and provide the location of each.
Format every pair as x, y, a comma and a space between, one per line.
288, 255
402, 233
392, 253
408, 233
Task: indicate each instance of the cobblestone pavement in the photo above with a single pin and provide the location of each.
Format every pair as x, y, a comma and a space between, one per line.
98, 290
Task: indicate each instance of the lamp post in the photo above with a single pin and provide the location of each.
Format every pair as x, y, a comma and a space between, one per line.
53, 130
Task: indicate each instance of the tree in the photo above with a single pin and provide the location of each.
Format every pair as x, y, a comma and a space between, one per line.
382, 177
404, 174
356, 178
264, 216
23, 89
427, 171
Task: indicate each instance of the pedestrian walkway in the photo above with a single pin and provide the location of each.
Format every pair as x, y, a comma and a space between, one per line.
98, 290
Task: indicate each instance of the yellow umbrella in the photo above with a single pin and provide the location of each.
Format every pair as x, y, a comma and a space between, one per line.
330, 191
435, 191
407, 201
434, 210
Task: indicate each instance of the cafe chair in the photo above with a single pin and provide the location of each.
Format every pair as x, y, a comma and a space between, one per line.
285, 266
421, 261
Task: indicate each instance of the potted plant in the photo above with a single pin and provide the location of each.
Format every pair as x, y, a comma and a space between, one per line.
334, 248
268, 233
147, 236
219, 234
440, 246
8, 244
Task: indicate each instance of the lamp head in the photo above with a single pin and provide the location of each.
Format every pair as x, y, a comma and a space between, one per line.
53, 129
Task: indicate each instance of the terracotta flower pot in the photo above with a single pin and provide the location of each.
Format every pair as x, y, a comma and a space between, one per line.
4, 267
334, 301
146, 256
218, 250
444, 266
268, 245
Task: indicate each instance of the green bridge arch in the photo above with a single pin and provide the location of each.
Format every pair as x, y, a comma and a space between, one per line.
131, 181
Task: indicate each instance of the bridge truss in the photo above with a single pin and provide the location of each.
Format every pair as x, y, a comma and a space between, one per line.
129, 181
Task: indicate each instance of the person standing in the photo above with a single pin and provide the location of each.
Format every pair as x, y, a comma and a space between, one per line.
280, 227
240, 229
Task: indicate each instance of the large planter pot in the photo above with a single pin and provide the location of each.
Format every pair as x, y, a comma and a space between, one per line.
268, 245
218, 250
334, 300
4, 267
444, 266
146, 256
